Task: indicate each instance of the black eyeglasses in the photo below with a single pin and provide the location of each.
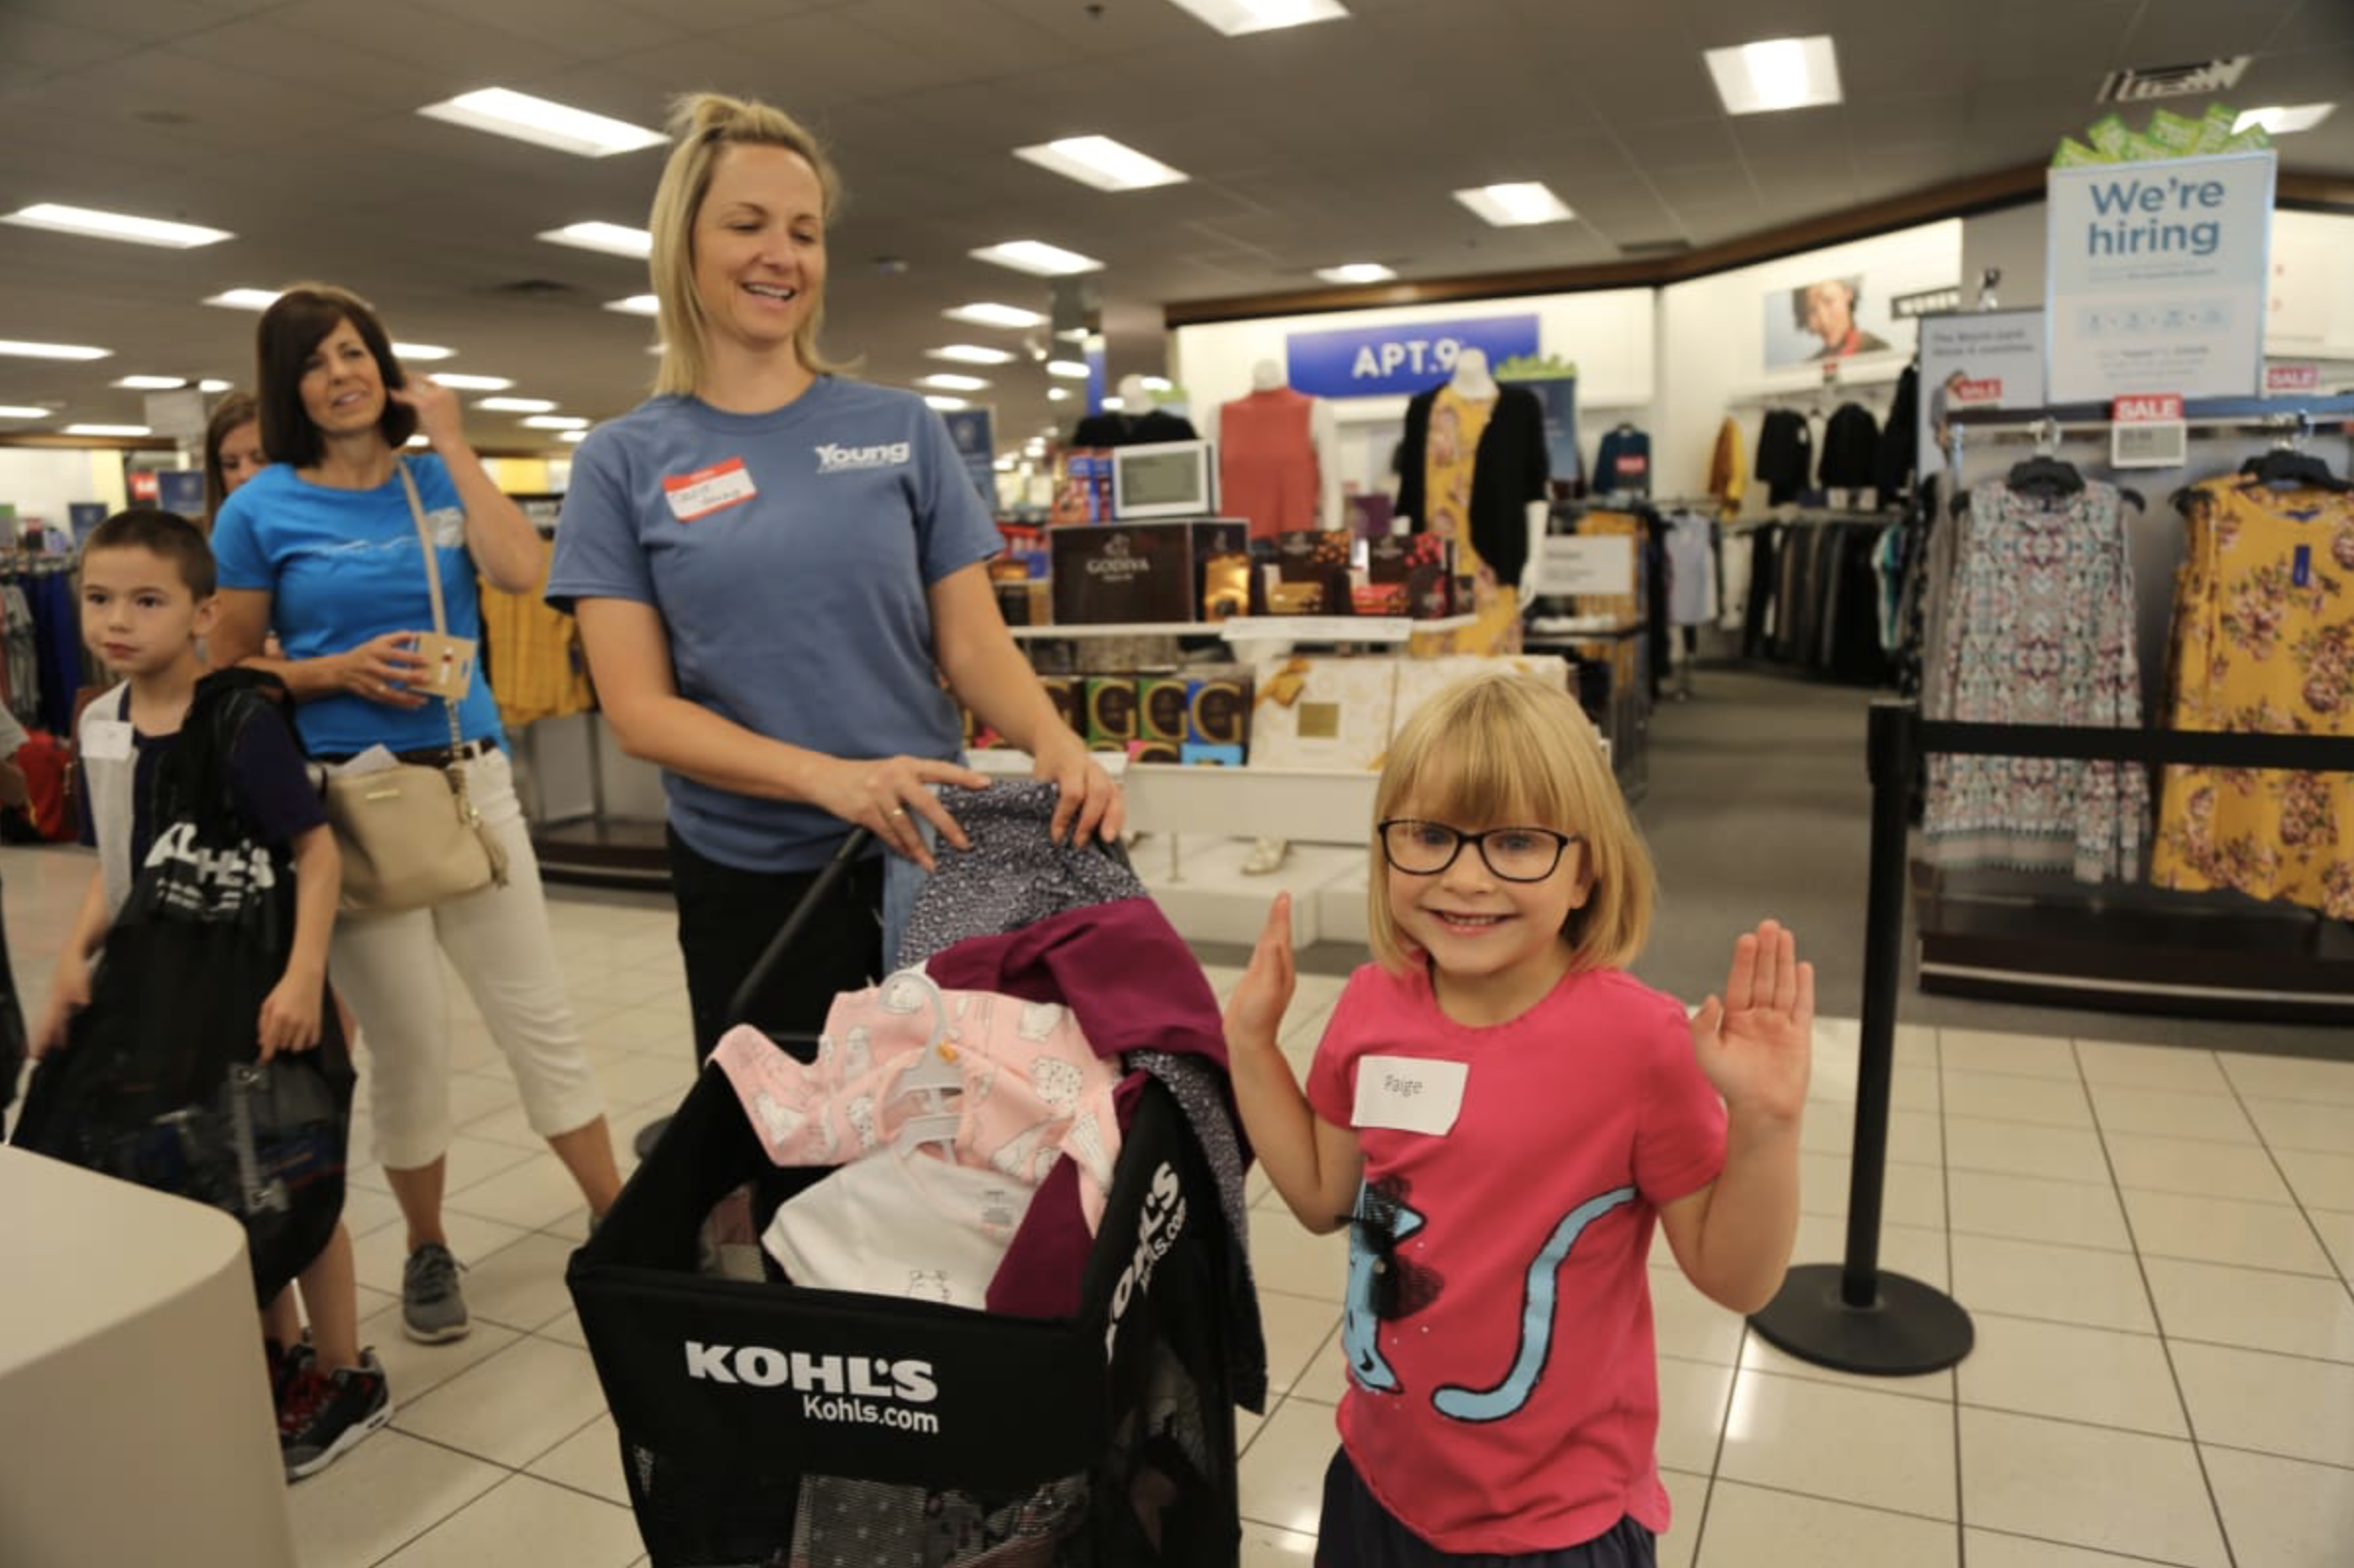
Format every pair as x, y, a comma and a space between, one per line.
1514, 854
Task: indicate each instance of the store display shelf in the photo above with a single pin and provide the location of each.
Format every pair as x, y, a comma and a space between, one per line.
1325, 806
1030, 634
1260, 628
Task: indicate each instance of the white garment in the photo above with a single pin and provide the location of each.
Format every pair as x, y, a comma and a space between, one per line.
387, 968
1732, 599
1692, 571
110, 780
900, 1223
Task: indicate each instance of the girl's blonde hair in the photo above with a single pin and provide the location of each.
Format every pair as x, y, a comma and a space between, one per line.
703, 123
1509, 749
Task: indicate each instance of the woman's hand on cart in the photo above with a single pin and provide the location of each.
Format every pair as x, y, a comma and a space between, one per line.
1088, 799
886, 794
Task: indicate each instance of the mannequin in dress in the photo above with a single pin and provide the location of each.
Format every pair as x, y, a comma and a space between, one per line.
1472, 422
1264, 470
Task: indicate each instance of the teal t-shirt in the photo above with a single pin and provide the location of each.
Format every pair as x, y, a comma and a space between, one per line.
789, 556
342, 567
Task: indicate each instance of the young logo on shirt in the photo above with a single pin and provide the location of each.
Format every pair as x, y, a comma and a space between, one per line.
835, 458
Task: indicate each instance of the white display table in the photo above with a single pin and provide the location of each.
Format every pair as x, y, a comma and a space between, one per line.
134, 1413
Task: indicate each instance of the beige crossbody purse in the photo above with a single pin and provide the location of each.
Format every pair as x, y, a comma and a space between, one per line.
409, 835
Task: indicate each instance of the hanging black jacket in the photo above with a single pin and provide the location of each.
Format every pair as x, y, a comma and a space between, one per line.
1786, 455
1900, 438
1510, 468
1850, 449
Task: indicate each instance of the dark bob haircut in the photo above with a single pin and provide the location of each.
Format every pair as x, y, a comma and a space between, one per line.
295, 326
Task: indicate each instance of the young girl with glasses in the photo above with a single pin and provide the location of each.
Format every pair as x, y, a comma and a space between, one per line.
1499, 1112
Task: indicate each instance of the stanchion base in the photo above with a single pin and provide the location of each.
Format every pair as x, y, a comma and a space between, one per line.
649, 1135
1911, 1329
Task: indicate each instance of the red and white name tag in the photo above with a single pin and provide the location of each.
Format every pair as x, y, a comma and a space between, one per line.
707, 490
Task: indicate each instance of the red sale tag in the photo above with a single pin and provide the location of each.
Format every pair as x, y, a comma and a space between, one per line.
2292, 378
1988, 389
2152, 408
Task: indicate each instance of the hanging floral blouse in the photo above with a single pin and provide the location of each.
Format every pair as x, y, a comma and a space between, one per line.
2264, 642
2039, 630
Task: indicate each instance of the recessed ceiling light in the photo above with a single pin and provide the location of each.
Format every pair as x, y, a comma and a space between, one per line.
1157, 383
542, 122
1058, 394
2280, 122
1101, 162
419, 439
212, 384
571, 435
1515, 205
945, 404
51, 351
1068, 369
151, 383
516, 405
635, 305
555, 422
613, 238
460, 381
116, 226
423, 350
19, 411
970, 354
983, 313
1037, 257
1116, 403
108, 429
1356, 272
1233, 17
244, 298
1775, 74
951, 383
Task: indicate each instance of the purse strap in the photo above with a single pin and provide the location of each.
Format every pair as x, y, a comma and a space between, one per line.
441, 625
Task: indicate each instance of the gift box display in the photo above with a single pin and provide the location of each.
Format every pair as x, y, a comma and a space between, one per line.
1311, 557
1424, 564
1420, 679
1142, 572
1322, 713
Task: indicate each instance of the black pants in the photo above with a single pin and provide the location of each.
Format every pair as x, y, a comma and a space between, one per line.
1357, 1532
727, 918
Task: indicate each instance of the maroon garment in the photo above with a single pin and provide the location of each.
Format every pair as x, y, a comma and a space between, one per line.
1039, 1276
1121, 969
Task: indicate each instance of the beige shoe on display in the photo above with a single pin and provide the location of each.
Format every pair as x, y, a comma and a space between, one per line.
1265, 856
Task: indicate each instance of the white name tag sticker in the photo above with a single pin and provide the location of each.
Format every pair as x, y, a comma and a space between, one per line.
1409, 1094
707, 490
106, 740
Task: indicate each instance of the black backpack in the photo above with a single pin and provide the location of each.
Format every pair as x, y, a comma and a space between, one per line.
157, 1082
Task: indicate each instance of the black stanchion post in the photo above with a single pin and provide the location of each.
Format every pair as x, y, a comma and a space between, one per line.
1851, 1316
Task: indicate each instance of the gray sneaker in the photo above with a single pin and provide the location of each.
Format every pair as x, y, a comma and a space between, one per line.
433, 1311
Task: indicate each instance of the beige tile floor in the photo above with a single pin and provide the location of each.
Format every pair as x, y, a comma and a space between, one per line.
2155, 1244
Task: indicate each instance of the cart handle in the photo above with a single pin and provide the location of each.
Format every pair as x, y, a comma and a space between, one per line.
740, 1004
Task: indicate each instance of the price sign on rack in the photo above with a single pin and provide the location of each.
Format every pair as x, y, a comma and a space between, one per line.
2148, 431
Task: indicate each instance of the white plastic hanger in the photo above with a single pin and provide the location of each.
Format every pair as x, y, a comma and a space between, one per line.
934, 1071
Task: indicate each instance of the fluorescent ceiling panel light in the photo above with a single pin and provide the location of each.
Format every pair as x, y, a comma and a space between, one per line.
1068, 369
244, 298
1116, 405
970, 354
983, 313
116, 226
51, 351
1356, 272
419, 439
460, 381
946, 405
108, 429
613, 238
19, 411
571, 435
1775, 74
2280, 122
423, 350
1101, 162
1058, 394
635, 305
1157, 383
151, 383
555, 422
212, 383
516, 405
942, 381
1038, 258
1234, 17
1515, 205
541, 122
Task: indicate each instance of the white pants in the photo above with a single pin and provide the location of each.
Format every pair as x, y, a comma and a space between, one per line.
387, 968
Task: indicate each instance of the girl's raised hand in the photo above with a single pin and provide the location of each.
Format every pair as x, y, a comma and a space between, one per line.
1255, 1012
1757, 1043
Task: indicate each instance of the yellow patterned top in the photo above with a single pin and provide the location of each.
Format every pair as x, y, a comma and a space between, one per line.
1456, 424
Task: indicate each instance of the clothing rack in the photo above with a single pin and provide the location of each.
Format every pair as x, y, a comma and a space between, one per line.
2280, 417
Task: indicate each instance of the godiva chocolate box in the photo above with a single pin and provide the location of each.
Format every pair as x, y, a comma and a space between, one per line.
1110, 709
1217, 709
1139, 573
1160, 708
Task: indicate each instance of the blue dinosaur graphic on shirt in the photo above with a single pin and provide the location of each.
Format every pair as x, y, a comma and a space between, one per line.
1539, 1298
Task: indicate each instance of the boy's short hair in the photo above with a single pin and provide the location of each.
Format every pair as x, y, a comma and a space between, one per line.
1512, 749
164, 534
